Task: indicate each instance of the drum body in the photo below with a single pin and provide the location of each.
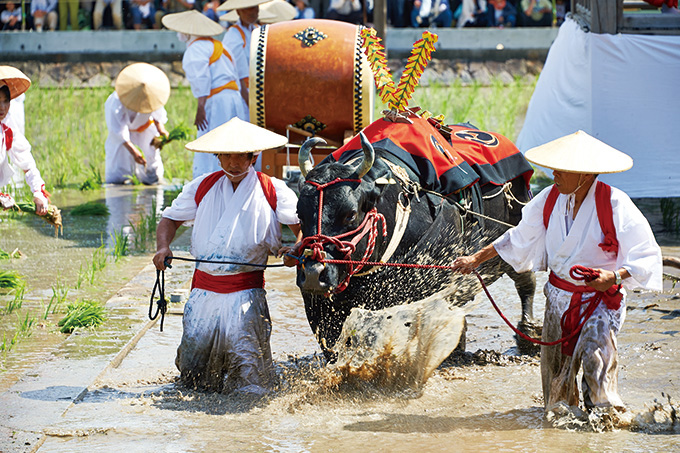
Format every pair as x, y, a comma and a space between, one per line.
313, 75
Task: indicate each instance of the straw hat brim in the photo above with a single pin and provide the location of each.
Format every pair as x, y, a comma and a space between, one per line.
16, 81
263, 16
237, 136
239, 4
579, 153
192, 23
281, 9
142, 87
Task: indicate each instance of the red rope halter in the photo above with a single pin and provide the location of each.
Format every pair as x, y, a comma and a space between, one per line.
369, 226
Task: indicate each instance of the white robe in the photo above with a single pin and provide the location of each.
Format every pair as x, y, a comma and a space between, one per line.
219, 108
225, 341
121, 123
239, 49
530, 246
20, 156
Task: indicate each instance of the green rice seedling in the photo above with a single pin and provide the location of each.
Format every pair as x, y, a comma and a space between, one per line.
17, 301
179, 132
120, 244
82, 274
11, 280
91, 208
59, 295
6, 345
94, 180
144, 230
99, 260
84, 313
25, 324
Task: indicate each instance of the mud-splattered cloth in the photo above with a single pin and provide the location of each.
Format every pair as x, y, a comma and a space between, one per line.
225, 341
569, 241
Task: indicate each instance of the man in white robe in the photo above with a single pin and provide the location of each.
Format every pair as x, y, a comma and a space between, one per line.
211, 72
574, 236
13, 143
134, 117
237, 38
226, 326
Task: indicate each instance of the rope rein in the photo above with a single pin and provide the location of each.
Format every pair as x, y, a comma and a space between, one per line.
162, 303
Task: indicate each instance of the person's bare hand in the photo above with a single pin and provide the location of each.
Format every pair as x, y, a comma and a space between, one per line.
605, 281
465, 264
201, 120
159, 258
139, 158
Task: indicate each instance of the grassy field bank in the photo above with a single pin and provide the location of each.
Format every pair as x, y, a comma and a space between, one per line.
67, 130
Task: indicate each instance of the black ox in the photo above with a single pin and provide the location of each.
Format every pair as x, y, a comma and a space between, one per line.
361, 197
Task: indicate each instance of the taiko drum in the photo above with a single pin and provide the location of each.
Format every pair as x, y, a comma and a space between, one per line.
312, 75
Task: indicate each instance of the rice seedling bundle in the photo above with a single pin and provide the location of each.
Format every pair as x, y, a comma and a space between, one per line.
84, 313
179, 132
11, 280
53, 216
91, 208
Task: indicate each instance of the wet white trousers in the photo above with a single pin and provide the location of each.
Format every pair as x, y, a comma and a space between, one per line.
225, 342
595, 352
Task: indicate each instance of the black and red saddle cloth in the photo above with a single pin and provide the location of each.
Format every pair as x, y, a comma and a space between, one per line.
445, 162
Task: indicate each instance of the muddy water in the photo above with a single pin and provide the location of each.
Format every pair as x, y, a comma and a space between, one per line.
49, 262
464, 407
488, 401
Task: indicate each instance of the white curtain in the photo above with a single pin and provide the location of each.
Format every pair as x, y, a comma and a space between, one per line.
621, 89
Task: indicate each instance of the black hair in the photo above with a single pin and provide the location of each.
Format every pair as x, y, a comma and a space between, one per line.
5, 90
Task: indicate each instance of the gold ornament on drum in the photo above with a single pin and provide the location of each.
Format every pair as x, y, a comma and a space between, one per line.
310, 36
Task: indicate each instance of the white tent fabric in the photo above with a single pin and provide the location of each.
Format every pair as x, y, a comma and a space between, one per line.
621, 89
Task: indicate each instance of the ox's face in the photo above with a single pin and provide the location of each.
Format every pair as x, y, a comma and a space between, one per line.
345, 205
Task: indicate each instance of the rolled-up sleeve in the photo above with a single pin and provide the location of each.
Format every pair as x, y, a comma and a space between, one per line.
196, 67
184, 207
286, 203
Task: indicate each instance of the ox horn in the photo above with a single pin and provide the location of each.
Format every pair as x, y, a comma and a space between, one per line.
369, 156
303, 154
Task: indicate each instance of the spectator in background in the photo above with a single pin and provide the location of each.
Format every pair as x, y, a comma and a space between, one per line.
501, 14
535, 13
11, 17
427, 13
346, 11
396, 13
303, 10
562, 7
68, 13
116, 7
210, 10
44, 14
172, 6
473, 13
143, 12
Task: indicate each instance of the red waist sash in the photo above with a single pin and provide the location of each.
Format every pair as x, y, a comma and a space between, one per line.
225, 284
572, 319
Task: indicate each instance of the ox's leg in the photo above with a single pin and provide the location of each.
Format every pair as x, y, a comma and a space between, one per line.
525, 284
326, 320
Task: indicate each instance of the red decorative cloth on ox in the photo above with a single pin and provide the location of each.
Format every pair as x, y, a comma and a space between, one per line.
421, 148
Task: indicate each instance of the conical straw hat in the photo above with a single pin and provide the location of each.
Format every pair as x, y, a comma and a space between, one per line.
16, 81
192, 23
265, 17
239, 4
142, 87
579, 153
237, 136
281, 9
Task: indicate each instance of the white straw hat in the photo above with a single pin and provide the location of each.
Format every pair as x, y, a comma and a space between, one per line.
265, 17
281, 9
579, 153
237, 136
142, 87
192, 23
16, 81
239, 4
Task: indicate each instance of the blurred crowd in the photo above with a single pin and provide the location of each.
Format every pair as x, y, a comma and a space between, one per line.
43, 15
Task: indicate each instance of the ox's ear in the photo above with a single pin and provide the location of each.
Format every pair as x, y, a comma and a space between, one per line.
379, 179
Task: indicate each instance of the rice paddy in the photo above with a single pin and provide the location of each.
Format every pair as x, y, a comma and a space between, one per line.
67, 131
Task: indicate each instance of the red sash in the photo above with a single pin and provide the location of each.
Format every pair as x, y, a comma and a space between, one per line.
9, 136
226, 284
573, 319
265, 182
605, 215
